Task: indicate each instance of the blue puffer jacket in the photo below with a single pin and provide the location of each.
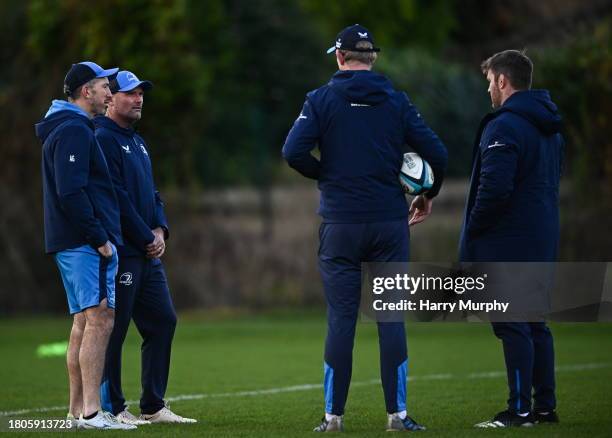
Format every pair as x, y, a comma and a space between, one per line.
512, 209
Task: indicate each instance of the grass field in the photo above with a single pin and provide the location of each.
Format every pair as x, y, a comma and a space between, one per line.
259, 376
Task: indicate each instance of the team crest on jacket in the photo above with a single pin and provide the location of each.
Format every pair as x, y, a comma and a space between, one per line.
125, 279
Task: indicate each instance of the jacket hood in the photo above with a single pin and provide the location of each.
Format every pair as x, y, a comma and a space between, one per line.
59, 112
361, 86
537, 107
108, 123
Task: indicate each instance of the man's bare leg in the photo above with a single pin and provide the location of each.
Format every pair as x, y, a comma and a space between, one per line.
98, 326
72, 361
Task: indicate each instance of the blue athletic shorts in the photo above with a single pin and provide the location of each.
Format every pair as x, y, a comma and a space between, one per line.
88, 277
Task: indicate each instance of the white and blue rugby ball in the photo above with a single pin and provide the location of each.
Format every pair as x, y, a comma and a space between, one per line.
416, 176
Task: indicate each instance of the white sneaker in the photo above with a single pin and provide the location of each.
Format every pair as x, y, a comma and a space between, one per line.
76, 423
334, 424
126, 417
165, 415
104, 420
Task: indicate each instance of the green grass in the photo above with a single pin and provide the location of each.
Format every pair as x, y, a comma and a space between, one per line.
218, 355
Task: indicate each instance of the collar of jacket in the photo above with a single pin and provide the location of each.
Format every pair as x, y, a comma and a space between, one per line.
107, 122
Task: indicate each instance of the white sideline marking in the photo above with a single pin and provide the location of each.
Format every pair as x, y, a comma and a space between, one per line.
308, 387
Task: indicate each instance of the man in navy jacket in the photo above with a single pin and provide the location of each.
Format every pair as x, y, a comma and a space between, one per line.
361, 126
512, 215
142, 287
82, 230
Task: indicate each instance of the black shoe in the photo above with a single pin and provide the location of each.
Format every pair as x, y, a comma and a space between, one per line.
545, 417
507, 419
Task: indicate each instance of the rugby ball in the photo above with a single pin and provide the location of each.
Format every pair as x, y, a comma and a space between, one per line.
416, 176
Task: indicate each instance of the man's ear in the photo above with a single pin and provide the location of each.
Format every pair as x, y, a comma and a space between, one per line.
502, 81
340, 57
85, 91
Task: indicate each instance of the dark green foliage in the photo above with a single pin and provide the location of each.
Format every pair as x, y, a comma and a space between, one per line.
579, 79
452, 99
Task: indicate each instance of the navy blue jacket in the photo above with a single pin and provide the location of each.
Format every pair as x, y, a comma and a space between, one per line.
80, 206
130, 166
512, 210
361, 126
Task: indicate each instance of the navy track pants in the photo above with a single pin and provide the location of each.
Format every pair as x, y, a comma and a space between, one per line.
142, 294
530, 364
343, 247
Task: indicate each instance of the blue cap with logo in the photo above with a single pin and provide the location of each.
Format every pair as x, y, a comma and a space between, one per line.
126, 81
84, 72
348, 38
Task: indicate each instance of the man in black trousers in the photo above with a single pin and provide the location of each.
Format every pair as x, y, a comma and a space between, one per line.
142, 288
361, 126
512, 215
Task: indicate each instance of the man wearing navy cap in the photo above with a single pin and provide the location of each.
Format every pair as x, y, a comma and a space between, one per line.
361, 125
82, 229
142, 287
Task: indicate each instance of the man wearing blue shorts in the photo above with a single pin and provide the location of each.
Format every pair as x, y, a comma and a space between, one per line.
81, 222
361, 125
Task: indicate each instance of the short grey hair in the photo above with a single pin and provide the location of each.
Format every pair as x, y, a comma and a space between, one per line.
368, 58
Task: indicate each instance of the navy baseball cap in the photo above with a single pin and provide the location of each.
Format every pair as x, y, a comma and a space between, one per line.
348, 38
126, 81
84, 72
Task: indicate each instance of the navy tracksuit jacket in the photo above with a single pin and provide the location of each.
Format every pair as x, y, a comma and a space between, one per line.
80, 205
142, 291
512, 215
361, 126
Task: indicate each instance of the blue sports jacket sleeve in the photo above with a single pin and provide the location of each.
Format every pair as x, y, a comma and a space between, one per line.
301, 140
499, 157
426, 143
134, 227
561, 155
160, 216
71, 168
